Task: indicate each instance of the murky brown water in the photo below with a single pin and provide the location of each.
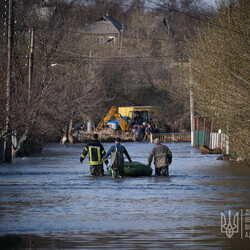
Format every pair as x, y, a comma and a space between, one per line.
51, 201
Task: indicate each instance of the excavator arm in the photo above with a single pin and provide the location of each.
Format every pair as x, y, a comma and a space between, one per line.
109, 115
123, 124
114, 113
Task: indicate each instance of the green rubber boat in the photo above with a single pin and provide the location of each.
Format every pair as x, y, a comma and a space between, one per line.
135, 169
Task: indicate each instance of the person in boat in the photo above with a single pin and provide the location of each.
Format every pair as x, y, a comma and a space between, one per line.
117, 160
96, 152
162, 158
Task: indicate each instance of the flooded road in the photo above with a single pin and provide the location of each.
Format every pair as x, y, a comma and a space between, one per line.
51, 201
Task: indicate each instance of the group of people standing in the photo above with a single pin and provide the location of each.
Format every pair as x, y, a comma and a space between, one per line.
141, 131
97, 155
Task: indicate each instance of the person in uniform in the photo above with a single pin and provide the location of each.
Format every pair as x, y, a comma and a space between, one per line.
162, 158
96, 152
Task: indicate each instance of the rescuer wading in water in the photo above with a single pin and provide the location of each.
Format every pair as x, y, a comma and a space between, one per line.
117, 160
96, 152
162, 158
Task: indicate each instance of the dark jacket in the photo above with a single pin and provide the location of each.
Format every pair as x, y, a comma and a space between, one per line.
120, 148
162, 156
96, 153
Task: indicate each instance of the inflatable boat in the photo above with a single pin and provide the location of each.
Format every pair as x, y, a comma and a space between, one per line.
135, 169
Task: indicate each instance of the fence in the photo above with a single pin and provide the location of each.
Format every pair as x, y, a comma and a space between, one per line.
206, 136
85, 137
171, 137
213, 140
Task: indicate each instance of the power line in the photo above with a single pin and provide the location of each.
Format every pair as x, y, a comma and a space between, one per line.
197, 18
88, 34
161, 7
134, 56
100, 59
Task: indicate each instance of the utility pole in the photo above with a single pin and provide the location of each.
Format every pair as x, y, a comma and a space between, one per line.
191, 104
8, 148
31, 56
121, 37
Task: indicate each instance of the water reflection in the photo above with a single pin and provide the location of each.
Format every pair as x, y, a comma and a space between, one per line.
51, 201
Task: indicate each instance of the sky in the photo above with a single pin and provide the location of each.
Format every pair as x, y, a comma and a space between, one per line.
210, 2
203, 3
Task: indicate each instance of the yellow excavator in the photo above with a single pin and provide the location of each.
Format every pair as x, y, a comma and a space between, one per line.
113, 113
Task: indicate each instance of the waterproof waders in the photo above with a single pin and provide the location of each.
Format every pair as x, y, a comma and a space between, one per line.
117, 163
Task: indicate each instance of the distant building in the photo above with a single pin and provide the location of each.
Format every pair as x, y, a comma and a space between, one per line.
44, 12
106, 30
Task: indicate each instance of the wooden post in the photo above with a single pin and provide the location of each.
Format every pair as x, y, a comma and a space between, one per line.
70, 137
211, 135
197, 120
204, 130
151, 138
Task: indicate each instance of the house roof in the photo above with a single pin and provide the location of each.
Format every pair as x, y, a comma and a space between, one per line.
45, 13
104, 25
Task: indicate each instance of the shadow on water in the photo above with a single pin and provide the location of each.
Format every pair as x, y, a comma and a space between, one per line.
185, 239
51, 201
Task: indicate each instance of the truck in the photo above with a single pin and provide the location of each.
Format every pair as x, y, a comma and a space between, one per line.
147, 114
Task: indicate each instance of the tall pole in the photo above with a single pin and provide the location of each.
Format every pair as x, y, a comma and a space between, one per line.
211, 135
8, 149
191, 104
31, 56
121, 37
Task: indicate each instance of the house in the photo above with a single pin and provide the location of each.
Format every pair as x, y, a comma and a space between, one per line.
44, 12
106, 31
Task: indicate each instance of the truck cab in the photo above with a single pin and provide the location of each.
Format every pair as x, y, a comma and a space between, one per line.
140, 114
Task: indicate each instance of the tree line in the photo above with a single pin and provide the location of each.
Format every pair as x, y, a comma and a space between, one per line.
219, 54
70, 85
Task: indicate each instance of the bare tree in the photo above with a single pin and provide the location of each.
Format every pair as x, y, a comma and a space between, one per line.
70, 82
220, 63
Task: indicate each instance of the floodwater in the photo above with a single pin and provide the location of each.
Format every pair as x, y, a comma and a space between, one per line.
50, 201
